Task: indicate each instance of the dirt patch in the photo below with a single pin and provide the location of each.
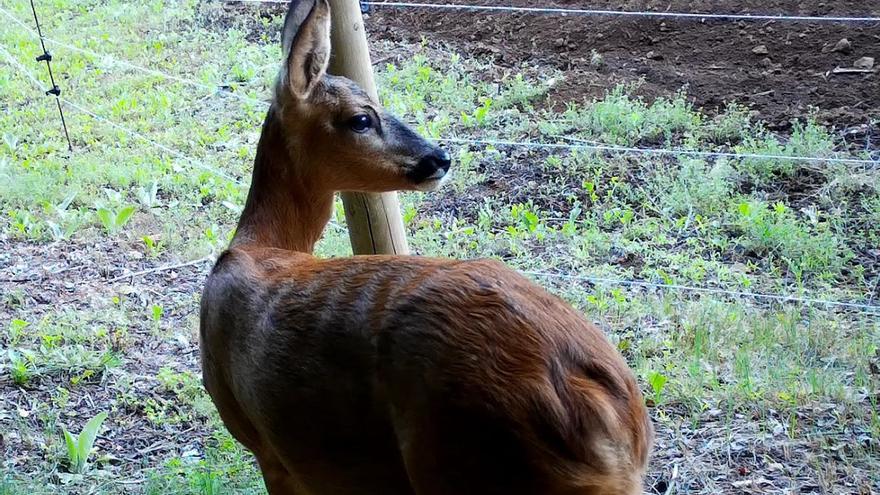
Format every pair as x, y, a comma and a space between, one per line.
715, 59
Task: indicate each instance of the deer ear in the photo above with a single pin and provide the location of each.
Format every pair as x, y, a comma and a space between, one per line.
306, 40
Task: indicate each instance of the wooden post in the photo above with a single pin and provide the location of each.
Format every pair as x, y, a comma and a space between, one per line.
374, 222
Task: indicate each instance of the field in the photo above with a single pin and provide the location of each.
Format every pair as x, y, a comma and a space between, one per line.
103, 250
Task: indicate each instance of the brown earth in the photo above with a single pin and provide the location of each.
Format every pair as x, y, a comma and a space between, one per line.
714, 59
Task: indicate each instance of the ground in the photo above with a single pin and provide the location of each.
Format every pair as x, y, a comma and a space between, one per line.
714, 59
103, 251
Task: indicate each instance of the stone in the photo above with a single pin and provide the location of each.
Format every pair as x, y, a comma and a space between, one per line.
760, 50
864, 63
842, 46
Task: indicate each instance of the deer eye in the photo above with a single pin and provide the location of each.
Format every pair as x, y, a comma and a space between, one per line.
360, 123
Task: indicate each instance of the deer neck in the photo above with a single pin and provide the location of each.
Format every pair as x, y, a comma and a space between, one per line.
283, 210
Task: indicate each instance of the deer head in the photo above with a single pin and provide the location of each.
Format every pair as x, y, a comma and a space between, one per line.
338, 137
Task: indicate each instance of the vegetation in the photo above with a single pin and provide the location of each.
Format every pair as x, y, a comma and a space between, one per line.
759, 386
79, 447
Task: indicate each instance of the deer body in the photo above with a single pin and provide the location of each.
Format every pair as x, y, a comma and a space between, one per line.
389, 374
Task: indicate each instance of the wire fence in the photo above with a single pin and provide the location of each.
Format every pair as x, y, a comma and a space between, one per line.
601, 12
575, 143
812, 301
110, 60
177, 154
659, 151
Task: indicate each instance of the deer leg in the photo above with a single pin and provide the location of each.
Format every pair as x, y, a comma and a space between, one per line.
278, 480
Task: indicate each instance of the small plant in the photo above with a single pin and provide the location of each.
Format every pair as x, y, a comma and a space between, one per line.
657, 381
807, 139
243, 74
775, 232
16, 330
11, 140
157, 312
20, 368
731, 126
80, 446
149, 197
113, 221
478, 117
153, 246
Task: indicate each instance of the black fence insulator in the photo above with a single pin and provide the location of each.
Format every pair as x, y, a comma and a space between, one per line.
55, 91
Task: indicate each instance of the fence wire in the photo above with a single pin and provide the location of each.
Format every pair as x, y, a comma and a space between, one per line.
601, 12
807, 301
657, 151
574, 145
11, 60
109, 59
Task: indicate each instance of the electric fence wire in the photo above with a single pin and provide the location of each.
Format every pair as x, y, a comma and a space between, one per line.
11, 60
583, 278
601, 12
578, 145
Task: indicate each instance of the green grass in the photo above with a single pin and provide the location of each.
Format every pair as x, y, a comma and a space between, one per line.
708, 363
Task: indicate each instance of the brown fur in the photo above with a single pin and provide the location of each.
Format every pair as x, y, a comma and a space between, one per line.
393, 374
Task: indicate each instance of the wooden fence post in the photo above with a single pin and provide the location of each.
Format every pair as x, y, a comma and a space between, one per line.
374, 222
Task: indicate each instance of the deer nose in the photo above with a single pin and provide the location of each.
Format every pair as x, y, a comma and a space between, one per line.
438, 163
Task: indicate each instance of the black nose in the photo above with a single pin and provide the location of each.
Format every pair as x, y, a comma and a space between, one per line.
439, 160
432, 166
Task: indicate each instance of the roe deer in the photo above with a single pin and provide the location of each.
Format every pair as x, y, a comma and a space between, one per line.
392, 375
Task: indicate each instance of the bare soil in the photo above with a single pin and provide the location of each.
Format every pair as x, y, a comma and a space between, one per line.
714, 59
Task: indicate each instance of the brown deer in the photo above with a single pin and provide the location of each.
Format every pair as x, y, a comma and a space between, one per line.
393, 375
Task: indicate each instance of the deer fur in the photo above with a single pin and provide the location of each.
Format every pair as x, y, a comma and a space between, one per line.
393, 375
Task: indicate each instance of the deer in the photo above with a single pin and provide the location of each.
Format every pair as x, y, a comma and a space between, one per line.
396, 374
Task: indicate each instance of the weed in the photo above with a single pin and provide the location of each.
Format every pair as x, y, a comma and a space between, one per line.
621, 119
149, 196
730, 127
16, 330
156, 312
79, 447
20, 367
696, 188
807, 139
479, 116
776, 233
113, 221
153, 246
657, 381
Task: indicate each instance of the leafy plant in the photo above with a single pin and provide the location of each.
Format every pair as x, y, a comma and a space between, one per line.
80, 446
11, 140
157, 312
20, 368
113, 221
149, 197
153, 246
243, 74
776, 232
16, 329
478, 117
657, 381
